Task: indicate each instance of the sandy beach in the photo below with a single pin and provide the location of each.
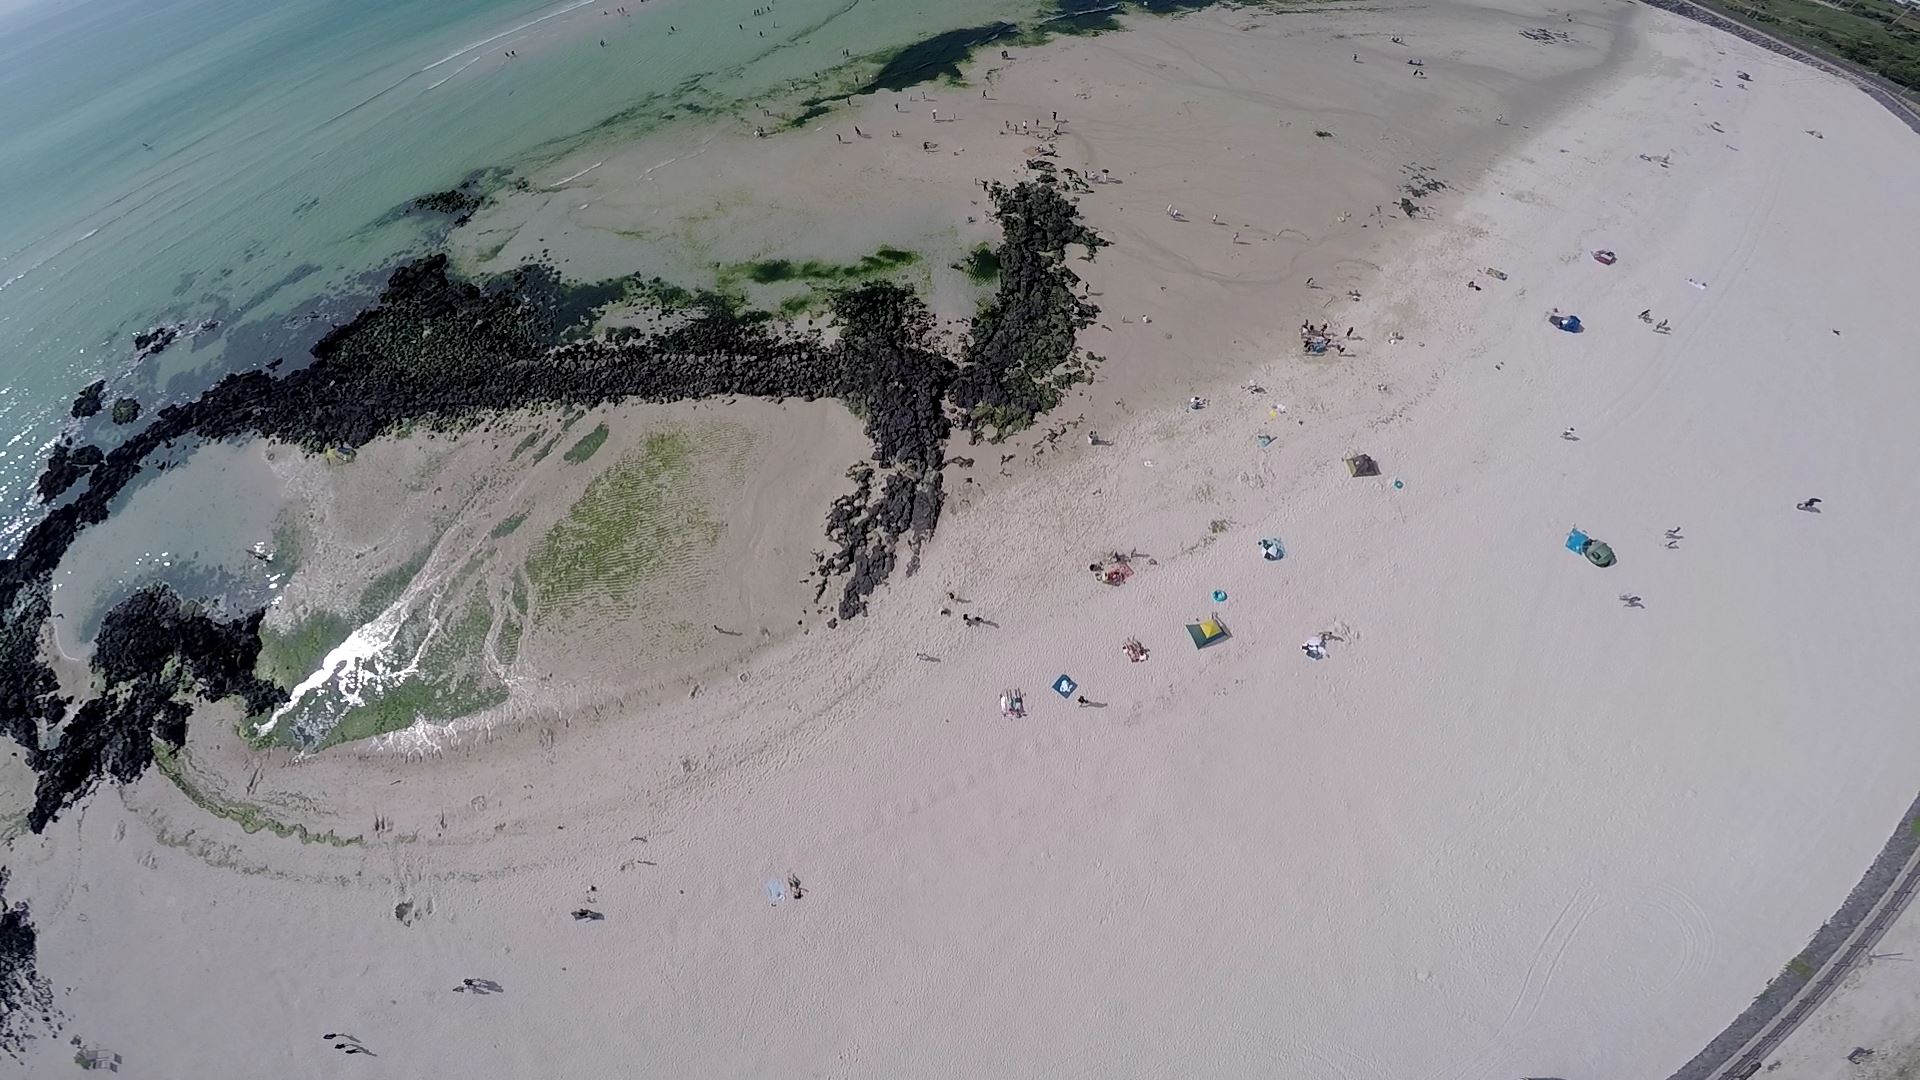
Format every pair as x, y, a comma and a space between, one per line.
1528, 816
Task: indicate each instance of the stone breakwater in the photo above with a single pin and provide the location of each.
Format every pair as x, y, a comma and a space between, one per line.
442, 353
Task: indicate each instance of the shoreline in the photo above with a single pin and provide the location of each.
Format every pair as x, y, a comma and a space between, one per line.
793, 738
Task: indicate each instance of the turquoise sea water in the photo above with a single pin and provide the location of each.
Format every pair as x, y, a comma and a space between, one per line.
177, 160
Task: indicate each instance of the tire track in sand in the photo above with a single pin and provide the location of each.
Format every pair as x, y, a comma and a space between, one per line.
1547, 956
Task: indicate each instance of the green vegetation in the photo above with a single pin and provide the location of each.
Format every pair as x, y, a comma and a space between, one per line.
800, 303
249, 817
982, 264
525, 444
508, 525
1799, 968
399, 706
457, 685
884, 261
935, 58
585, 448
1878, 35
290, 542
380, 594
639, 517
506, 647
288, 656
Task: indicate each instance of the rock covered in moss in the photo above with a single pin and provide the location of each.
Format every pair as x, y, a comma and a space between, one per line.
125, 411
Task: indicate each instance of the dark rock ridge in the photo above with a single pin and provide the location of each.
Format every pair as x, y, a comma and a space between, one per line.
441, 353
1022, 354
889, 368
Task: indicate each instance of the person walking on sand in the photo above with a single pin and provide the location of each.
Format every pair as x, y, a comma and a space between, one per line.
1811, 506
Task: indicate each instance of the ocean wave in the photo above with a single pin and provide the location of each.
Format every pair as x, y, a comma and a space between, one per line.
50, 256
484, 42
574, 5
436, 84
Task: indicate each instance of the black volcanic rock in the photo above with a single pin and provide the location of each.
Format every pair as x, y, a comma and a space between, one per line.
65, 466
88, 403
457, 203
26, 999
154, 653
1023, 351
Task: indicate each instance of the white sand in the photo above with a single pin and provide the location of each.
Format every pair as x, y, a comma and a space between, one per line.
1510, 826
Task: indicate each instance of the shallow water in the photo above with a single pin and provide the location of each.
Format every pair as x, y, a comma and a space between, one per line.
180, 160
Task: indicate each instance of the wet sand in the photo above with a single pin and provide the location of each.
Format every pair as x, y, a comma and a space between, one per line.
1545, 832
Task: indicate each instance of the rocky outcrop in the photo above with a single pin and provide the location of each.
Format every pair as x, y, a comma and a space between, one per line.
89, 400
441, 353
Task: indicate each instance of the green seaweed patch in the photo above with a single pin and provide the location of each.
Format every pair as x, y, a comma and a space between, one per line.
506, 645
884, 261
814, 109
937, 57
982, 264
288, 656
398, 707
456, 684
507, 526
588, 445
638, 518
802, 303
382, 591
667, 296
250, 817
525, 444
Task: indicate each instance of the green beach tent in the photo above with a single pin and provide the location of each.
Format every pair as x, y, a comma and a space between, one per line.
1207, 631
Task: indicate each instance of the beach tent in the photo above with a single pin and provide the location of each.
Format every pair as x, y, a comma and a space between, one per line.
1363, 465
1206, 631
1271, 550
1569, 323
1597, 552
